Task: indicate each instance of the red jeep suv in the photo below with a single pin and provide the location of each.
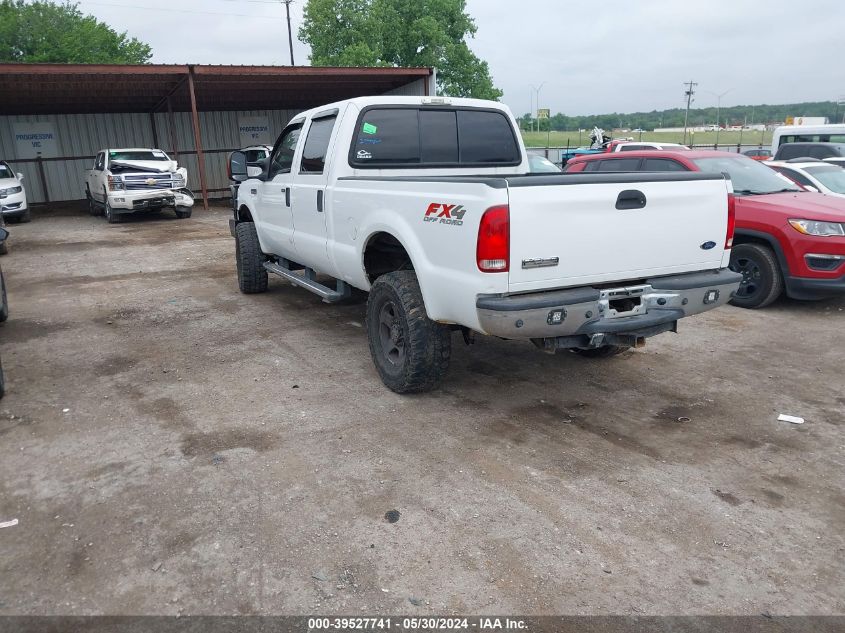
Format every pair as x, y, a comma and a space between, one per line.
786, 239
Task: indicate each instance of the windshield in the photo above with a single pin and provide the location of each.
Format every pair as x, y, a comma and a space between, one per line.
831, 177
138, 154
539, 164
5, 172
748, 176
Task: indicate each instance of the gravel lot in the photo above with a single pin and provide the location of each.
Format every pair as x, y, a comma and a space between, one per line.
172, 446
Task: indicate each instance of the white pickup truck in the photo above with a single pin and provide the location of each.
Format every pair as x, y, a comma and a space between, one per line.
124, 181
427, 204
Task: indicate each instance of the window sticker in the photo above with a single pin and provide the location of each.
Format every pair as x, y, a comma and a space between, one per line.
158, 153
369, 128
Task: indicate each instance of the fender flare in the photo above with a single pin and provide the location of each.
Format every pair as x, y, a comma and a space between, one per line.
769, 239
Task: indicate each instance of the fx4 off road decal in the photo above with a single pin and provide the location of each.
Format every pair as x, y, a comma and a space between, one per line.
445, 213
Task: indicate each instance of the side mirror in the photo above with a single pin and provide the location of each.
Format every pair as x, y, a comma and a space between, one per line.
3, 234
259, 169
238, 170
19, 176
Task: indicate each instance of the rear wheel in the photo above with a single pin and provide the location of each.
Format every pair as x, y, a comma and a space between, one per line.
762, 281
410, 351
252, 276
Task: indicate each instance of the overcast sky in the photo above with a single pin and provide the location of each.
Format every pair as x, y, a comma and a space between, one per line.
594, 56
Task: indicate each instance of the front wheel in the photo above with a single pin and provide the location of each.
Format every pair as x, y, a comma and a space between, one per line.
410, 351
762, 281
111, 216
183, 212
93, 208
252, 276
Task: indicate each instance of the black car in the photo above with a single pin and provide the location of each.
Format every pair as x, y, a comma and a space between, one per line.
830, 152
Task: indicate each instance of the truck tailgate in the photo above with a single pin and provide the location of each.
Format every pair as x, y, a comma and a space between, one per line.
607, 228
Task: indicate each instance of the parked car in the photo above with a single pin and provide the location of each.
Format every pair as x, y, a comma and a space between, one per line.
4, 308
124, 181
827, 133
256, 153
758, 154
786, 239
831, 152
541, 165
12, 195
427, 204
813, 175
638, 146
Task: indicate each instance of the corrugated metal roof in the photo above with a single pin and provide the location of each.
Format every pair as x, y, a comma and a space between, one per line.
99, 88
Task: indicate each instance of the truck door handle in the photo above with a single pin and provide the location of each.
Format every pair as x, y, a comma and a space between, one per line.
630, 199
287, 196
319, 201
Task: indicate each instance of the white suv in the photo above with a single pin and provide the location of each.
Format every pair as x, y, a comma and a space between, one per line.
12, 195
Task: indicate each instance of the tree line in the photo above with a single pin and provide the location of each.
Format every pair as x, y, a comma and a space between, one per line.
674, 117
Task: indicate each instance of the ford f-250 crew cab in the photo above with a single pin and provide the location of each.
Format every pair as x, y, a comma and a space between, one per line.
427, 204
137, 179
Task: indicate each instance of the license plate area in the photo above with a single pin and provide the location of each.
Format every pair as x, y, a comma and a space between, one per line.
615, 303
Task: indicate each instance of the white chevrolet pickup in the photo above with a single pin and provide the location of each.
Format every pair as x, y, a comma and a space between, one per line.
427, 204
136, 179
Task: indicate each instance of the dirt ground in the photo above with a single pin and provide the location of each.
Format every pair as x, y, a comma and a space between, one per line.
169, 445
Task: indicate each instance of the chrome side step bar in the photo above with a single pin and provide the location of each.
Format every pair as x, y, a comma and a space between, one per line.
308, 280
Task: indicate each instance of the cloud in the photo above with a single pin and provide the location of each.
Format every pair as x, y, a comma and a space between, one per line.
594, 57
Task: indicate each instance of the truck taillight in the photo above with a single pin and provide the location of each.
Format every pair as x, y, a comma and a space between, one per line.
492, 253
729, 235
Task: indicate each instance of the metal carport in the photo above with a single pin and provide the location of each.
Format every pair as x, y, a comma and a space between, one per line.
191, 111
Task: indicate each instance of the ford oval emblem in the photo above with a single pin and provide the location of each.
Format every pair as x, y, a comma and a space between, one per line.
708, 245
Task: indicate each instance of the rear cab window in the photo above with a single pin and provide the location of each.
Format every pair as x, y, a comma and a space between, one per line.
425, 137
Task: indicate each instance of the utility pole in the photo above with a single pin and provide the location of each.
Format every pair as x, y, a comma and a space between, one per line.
718, 109
290, 33
689, 92
536, 114
841, 102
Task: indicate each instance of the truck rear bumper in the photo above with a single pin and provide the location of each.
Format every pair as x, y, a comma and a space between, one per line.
587, 316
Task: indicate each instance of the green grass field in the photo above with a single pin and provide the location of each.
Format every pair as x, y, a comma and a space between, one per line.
559, 139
